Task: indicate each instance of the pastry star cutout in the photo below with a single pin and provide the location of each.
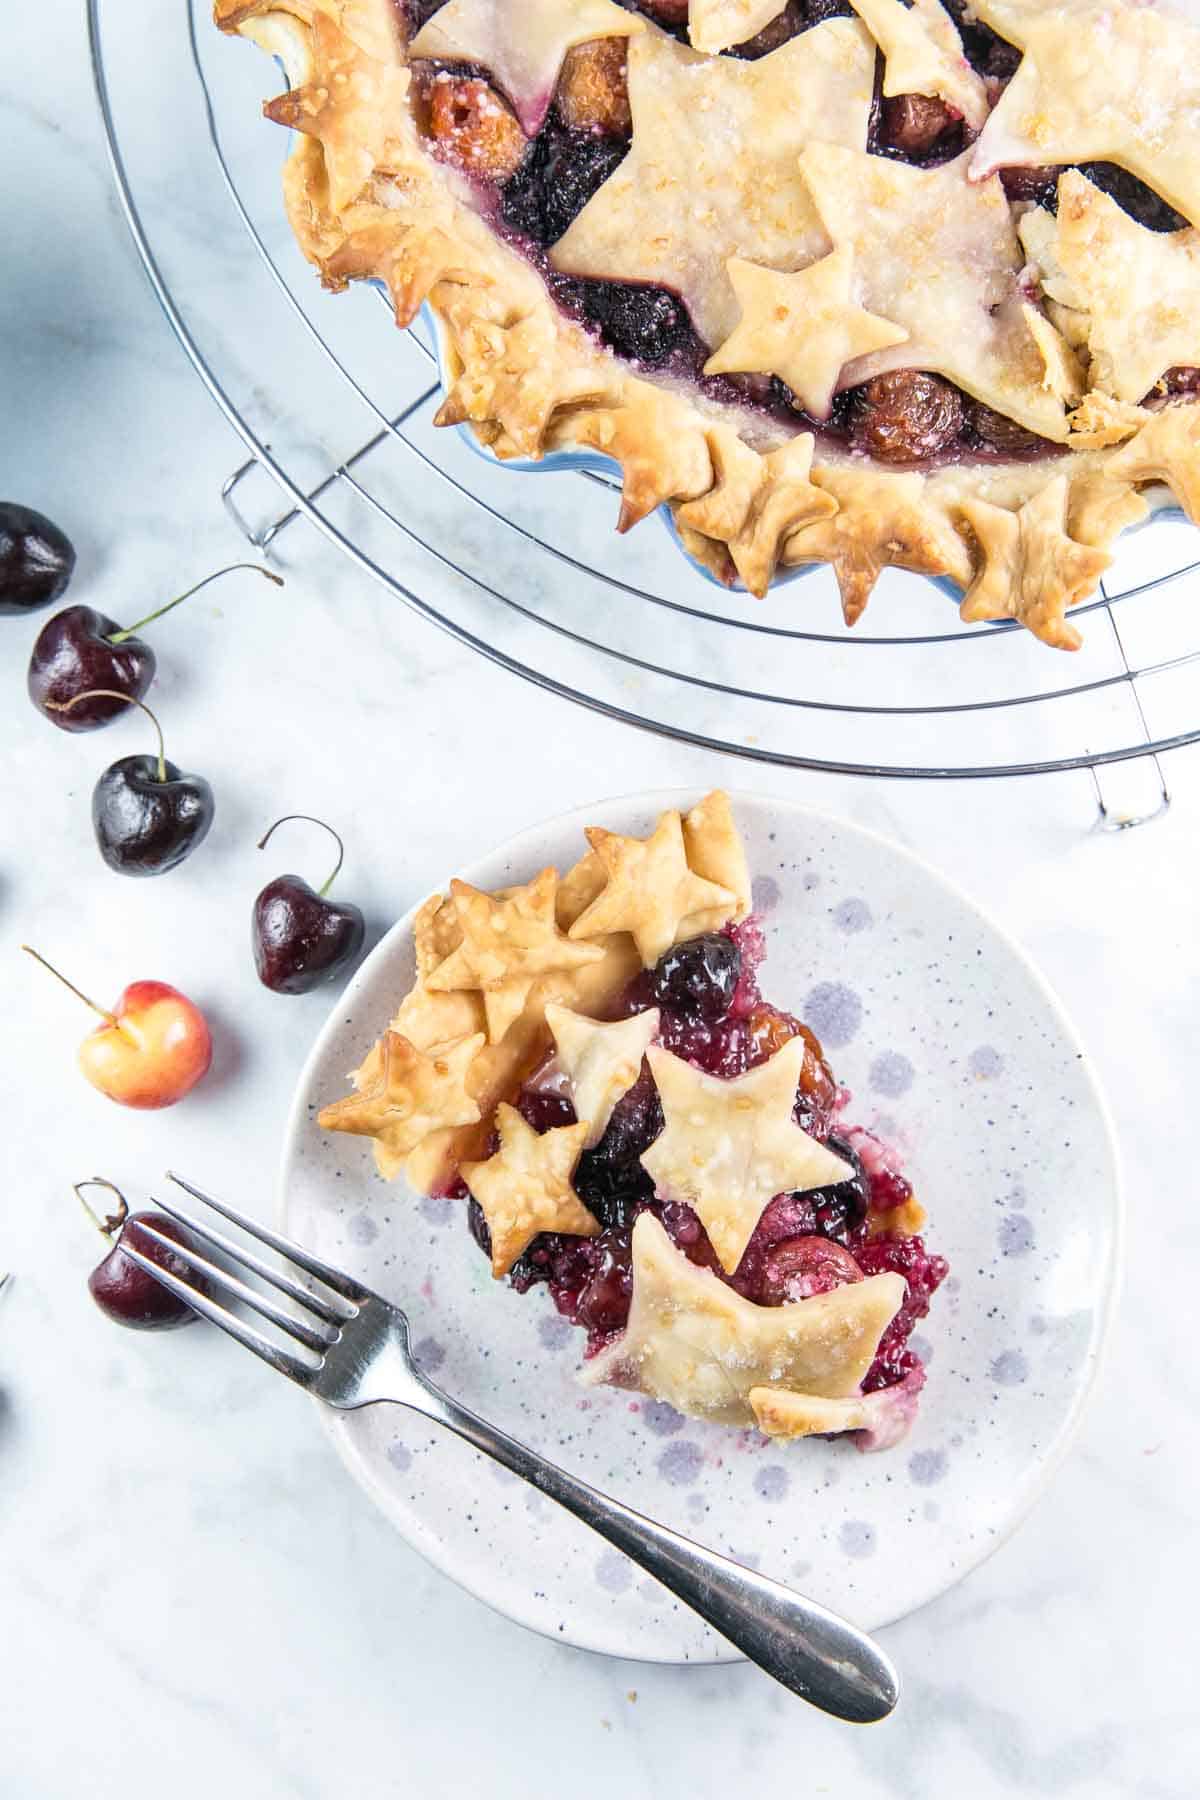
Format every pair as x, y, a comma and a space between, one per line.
713, 846
924, 54
507, 942
526, 1187
522, 43
882, 521
601, 1062
804, 327
716, 25
754, 502
782, 1413
712, 169
728, 1147
413, 1093
1105, 82
1015, 19
701, 1347
939, 256
1032, 570
648, 888
1139, 288
1167, 449
883, 1417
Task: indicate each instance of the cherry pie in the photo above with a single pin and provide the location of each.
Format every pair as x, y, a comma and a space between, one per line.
587, 1062
860, 282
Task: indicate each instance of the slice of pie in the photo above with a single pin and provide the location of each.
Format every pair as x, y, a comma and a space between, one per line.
587, 1062
859, 282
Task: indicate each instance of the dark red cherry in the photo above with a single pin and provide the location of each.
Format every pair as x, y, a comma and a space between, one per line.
301, 938
802, 1266
76, 653
915, 124
667, 12
603, 1304
81, 650
147, 814
122, 1290
37, 560
905, 416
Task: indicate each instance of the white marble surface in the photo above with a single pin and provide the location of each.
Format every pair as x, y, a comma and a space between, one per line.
195, 1600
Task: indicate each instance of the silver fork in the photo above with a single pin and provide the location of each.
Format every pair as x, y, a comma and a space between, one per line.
360, 1356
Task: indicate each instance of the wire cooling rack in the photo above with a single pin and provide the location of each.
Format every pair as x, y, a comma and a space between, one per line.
335, 410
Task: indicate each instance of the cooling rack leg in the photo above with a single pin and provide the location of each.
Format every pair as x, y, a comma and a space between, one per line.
1134, 794
265, 535
228, 488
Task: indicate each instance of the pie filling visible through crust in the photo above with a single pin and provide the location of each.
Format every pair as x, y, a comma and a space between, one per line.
860, 282
588, 1064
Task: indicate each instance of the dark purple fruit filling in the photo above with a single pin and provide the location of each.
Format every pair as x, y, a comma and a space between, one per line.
817, 11
543, 1110
1036, 187
416, 13
796, 16
610, 1180
713, 1013
1040, 187
561, 171
989, 55
840, 1212
779, 31
1134, 197
671, 15
646, 324
700, 976
923, 1275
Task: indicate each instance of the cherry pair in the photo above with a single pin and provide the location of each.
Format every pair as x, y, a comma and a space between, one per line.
84, 670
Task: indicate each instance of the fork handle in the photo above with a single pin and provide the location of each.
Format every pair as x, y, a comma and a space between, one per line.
822, 1658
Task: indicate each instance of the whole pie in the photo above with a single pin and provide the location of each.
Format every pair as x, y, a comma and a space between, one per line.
586, 1064
862, 283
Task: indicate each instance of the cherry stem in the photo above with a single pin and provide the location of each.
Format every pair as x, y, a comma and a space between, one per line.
129, 700
308, 819
127, 631
78, 992
114, 1221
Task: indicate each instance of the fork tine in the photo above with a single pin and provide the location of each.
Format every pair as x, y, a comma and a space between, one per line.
290, 1366
262, 1304
312, 1265
332, 1315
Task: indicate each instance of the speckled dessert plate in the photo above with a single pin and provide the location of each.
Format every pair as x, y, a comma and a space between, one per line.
957, 1052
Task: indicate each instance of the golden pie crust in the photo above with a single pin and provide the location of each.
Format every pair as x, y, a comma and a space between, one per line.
367, 198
